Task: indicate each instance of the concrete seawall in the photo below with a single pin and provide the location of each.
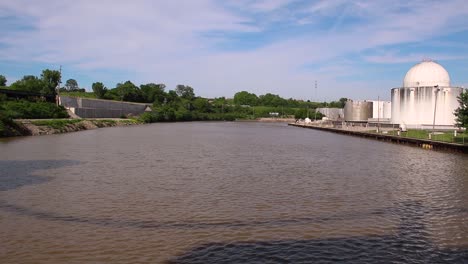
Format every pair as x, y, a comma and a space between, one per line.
423, 143
97, 108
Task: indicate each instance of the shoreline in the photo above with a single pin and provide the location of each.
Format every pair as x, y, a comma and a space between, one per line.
38, 127
422, 143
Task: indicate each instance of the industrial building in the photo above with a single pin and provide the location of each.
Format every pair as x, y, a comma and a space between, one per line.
426, 99
367, 111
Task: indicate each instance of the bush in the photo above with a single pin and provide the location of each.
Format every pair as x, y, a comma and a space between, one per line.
83, 94
33, 110
148, 117
2, 127
183, 115
8, 127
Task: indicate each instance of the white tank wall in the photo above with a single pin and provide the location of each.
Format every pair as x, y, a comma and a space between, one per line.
381, 109
331, 113
415, 106
387, 110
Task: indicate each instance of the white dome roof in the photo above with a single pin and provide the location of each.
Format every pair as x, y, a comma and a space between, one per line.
426, 73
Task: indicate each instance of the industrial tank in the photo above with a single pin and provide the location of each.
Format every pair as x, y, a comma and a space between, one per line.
415, 106
358, 111
332, 113
381, 109
426, 87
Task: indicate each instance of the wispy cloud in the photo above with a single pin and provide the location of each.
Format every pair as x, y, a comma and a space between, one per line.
183, 41
390, 58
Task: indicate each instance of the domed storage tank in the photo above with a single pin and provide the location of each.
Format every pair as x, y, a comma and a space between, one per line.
426, 74
426, 87
358, 111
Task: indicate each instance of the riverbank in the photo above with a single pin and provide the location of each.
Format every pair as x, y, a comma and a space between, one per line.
422, 143
36, 127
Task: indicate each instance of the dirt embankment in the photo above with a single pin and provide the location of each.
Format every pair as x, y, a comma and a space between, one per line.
276, 119
51, 126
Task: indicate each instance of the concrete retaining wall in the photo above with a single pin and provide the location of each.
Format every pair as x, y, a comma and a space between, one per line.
96, 108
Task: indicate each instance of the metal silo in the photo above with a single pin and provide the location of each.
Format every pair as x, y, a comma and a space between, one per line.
358, 111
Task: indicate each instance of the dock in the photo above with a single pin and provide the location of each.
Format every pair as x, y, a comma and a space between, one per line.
422, 143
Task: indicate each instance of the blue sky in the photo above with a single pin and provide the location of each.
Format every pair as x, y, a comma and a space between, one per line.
355, 49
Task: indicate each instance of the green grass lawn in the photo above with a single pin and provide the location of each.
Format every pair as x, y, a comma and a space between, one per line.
461, 138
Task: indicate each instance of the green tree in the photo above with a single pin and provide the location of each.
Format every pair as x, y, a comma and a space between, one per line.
300, 113
51, 79
343, 101
292, 103
128, 91
202, 105
153, 93
220, 105
272, 100
71, 85
28, 83
99, 89
185, 91
337, 104
171, 98
245, 98
462, 112
3, 80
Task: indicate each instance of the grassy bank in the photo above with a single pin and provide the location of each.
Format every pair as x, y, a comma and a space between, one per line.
57, 123
57, 126
447, 136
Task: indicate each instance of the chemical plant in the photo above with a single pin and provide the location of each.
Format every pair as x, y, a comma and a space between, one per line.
426, 101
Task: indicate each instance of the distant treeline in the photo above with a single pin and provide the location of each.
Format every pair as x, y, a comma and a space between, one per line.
178, 104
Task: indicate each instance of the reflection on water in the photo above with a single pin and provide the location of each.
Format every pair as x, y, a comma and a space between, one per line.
229, 193
18, 173
409, 244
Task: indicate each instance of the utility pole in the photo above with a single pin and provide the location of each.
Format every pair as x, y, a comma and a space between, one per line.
57, 95
316, 100
435, 107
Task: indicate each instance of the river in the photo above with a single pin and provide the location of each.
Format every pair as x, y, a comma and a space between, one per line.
228, 192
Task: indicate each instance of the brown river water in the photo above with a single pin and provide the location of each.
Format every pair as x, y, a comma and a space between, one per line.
229, 192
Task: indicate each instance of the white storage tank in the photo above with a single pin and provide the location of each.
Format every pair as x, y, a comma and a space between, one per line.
426, 87
381, 109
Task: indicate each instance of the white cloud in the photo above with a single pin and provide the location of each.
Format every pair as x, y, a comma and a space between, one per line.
179, 41
269, 5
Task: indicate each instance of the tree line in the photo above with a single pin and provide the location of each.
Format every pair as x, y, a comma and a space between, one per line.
46, 84
181, 103
49, 80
